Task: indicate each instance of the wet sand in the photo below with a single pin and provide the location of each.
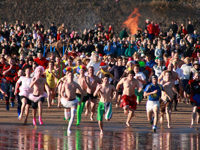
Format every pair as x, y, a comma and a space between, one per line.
53, 134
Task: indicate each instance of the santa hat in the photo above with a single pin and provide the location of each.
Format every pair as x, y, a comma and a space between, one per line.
130, 60
100, 55
103, 65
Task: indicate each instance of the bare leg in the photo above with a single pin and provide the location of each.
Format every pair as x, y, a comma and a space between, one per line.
26, 113
34, 117
193, 116
22, 108
93, 103
161, 118
40, 112
155, 111
130, 115
49, 99
149, 116
100, 126
168, 116
118, 100
198, 118
52, 96
86, 107
126, 110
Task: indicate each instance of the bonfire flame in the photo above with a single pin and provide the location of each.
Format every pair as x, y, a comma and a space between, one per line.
132, 22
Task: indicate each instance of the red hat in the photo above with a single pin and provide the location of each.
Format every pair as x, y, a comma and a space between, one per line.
100, 55
103, 64
130, 59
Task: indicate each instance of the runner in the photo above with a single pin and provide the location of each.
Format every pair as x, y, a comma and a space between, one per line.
68, 99
25, 90
9, 72
91, 81
117, 71
153, 91
142, 80
167, 98
82, 82
128, 102
38, 96
106, 92
194, 92
51, 81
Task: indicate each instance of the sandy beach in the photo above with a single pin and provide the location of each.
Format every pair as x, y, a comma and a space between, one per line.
53, 134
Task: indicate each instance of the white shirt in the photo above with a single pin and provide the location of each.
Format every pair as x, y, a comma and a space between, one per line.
141, 76
25, 85
186, 71
180, 74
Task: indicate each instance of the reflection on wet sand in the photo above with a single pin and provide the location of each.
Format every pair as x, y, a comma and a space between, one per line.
87, 138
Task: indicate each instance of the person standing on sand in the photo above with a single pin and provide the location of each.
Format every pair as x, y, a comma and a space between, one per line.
68, 97
129, 103
106, 92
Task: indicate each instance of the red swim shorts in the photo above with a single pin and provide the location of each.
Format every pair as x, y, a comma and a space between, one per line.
129, 101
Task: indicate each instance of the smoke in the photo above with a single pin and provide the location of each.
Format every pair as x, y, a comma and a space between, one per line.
132, 22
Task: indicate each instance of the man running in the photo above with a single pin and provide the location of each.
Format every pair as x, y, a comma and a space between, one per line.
91, 81
167, 98
129, 103
82, 82
106, 92
68, 97
153, 91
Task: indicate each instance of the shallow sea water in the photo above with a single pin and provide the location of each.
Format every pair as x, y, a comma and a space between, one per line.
88, 138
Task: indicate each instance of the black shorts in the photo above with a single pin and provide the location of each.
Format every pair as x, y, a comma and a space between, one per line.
91, 96
35, 104
85, 98
28, 101
120, 92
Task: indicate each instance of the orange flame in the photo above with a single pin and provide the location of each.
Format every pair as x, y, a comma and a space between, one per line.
132, 22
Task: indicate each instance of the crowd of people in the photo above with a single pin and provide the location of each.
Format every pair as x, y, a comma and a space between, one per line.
99, 66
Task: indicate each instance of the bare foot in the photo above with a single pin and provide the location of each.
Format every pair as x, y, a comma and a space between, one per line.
69, 132
127, 124
25, 121
91, 118
168, 126
191, 126
101, 132
86, 112
116, 105
20, 117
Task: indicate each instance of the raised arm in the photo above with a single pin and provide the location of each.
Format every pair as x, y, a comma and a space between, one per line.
6, 71
34, 80
97, 89
160, 77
